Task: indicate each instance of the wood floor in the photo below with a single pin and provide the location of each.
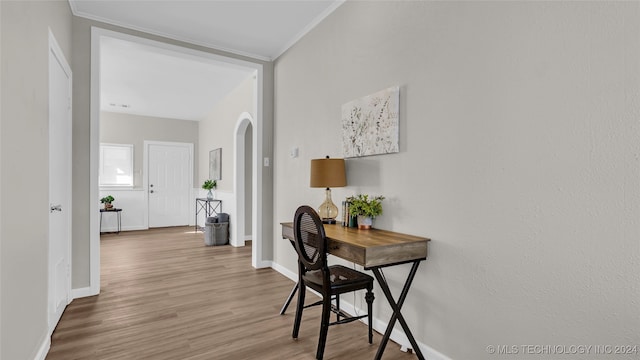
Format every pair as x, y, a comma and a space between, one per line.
164, 295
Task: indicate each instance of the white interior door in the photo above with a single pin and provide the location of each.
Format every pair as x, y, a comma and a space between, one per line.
170, 170
59, 183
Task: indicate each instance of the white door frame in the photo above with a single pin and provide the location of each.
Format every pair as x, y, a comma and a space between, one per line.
145, 173
238, 230
94, 227
57, 56
244, 120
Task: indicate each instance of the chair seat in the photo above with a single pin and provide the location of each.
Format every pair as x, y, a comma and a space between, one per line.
343, 279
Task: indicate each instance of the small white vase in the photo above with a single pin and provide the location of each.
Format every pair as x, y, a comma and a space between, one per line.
210, 195
364, 222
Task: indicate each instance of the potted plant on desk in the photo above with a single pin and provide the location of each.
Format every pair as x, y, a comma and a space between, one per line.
107, 200
209, 185
365, 208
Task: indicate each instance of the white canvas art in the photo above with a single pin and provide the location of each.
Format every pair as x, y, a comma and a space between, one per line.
370, 124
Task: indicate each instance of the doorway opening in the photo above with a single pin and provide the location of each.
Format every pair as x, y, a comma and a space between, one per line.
258, 259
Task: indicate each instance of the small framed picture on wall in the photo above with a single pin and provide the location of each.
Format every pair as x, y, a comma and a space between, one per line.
215, 164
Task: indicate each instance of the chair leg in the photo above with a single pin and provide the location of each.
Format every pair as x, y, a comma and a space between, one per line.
338, 306
302, 289
369, 298
291, 295
324, 326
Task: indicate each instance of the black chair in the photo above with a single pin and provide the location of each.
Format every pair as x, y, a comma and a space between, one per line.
330, 281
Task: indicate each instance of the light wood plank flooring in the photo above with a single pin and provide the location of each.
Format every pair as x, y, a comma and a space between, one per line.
165, 295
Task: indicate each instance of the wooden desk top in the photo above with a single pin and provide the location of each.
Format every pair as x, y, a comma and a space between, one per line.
369, 248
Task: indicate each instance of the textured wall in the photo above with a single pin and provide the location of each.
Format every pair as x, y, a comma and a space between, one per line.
519, 157
24, 165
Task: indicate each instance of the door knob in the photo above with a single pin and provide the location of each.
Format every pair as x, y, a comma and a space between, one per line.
55, 208
151, 191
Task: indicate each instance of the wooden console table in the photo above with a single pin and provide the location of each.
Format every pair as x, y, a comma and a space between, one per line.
375, 249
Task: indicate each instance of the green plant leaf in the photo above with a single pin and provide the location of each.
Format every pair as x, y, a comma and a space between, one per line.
209, 184
363, 205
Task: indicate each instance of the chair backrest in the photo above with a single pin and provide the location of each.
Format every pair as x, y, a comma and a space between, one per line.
310, 239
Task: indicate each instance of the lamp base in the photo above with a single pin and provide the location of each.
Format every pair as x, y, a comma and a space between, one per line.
328, 211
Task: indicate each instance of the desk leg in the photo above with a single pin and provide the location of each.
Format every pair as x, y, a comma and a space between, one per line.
293, 291
397, 315
119, 221
291, 295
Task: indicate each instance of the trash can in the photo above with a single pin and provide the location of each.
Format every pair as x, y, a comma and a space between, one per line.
223, 217
215, 232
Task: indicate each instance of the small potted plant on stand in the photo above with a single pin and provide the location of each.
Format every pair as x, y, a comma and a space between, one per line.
209, 185
107, 200
365, 208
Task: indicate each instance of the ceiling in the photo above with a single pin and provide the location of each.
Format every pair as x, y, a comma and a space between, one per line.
145, 80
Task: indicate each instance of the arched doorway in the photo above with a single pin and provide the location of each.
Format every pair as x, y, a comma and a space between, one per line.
245, 160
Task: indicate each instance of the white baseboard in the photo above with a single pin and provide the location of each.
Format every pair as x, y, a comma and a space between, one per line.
44, 349
82, 292
380, 326
133, 228
264, 264
124, 228
286, 272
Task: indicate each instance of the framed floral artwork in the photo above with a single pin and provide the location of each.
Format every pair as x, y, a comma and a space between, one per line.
370, 125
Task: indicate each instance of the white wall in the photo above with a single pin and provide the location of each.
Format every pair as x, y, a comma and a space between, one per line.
24, 165
248, 188
134, 209
519, 157
217, 130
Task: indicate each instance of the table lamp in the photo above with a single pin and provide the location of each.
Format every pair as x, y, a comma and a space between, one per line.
328, 173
